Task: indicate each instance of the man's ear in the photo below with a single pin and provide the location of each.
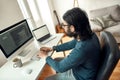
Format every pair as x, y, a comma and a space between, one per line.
72, 28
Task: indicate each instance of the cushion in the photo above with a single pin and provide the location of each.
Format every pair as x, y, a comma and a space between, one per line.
96, 21
115, 12
108, 21
104, 21
115, 30
95, 27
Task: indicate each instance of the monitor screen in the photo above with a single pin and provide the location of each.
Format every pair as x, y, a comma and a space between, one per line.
14, 37
41, 33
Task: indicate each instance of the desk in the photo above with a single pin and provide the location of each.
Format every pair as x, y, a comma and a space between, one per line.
7, 72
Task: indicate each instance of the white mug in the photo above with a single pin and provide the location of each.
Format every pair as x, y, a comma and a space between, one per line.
17, 63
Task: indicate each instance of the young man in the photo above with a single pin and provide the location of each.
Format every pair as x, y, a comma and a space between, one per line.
82, 62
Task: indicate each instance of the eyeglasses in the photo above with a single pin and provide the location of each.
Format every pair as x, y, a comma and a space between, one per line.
63, 25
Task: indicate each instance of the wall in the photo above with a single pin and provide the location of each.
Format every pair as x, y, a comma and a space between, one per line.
9, 13
27, 13
3, 59
63, 5
45, 8
38, 12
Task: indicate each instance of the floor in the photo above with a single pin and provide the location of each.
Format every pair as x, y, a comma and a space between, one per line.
48, 71
116, 73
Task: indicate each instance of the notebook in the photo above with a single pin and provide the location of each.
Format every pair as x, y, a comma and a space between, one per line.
42, 34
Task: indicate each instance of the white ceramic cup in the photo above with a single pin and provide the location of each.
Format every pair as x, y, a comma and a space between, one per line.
17, 63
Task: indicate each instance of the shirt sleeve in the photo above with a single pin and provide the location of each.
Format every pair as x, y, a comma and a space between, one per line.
66, 46
75, 58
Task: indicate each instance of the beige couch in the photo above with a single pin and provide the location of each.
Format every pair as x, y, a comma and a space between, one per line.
107, 19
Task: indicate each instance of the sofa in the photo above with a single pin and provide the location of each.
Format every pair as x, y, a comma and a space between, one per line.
106, 19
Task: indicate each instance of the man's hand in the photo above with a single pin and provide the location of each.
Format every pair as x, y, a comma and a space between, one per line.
46, 49
42, 54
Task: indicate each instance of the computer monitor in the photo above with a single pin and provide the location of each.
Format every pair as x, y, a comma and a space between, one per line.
15, 38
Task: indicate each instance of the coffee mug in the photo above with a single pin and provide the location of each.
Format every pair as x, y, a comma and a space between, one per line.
17, 63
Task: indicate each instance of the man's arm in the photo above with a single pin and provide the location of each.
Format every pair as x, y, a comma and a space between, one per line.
62, 47
65, 46
75, 58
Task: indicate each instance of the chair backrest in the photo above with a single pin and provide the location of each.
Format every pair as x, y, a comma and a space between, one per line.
110, 55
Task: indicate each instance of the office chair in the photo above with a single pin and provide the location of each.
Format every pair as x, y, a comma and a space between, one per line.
110, 55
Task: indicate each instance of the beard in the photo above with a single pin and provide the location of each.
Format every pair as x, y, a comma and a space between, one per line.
71, 34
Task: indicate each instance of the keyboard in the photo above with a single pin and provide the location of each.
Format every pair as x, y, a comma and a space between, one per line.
24, 53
